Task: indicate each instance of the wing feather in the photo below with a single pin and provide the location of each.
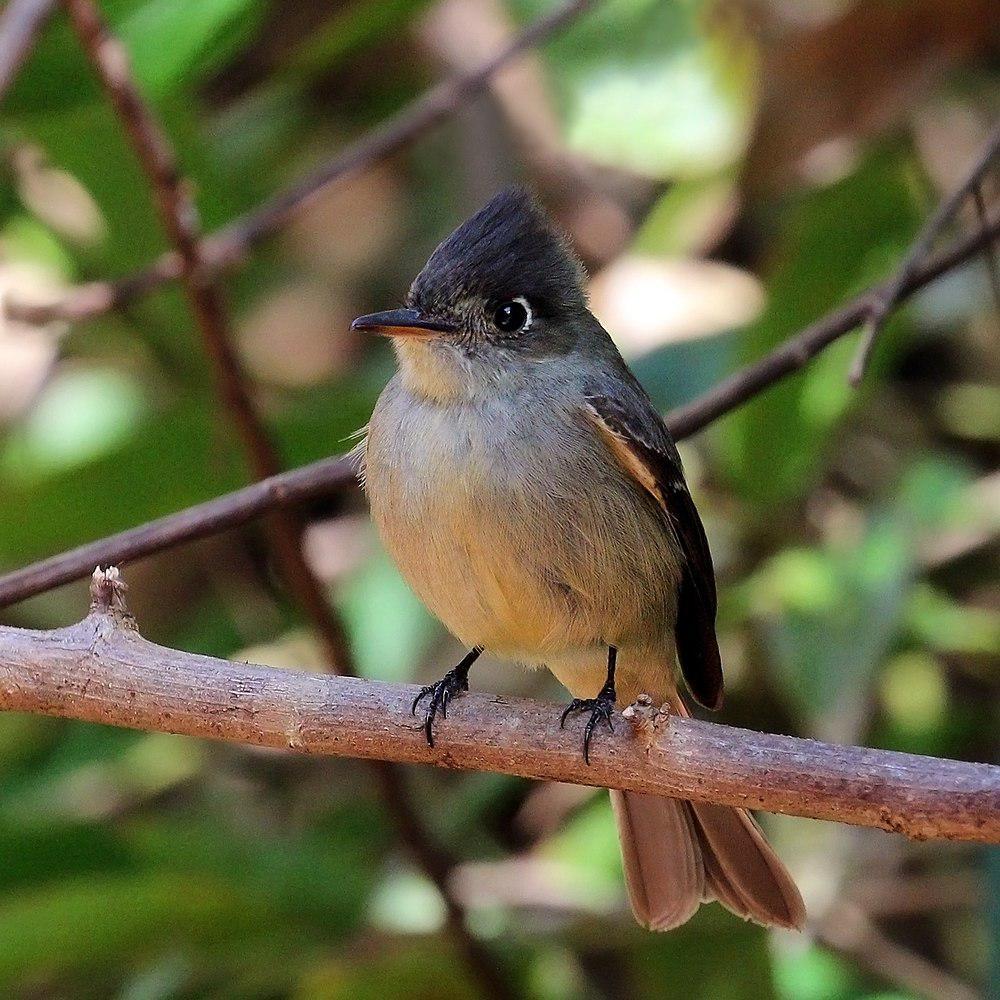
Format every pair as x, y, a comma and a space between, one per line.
649, 456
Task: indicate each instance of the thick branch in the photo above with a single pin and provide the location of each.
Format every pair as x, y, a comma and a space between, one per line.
101, 670
230, 244
334, 474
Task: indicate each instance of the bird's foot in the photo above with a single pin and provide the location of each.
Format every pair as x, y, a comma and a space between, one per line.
601, 709
441, 692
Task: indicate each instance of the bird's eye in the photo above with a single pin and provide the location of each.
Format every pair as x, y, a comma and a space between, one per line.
512, 316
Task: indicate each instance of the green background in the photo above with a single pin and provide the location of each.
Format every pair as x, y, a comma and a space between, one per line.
787, 154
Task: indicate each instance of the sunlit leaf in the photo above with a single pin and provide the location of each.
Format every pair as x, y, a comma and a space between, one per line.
647, 86
81, 415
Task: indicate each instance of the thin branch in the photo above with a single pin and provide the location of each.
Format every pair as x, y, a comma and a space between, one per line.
101, 670
332, 475
889, 295
180, 219
21, 22
990, 254
229, 245
796, 352
909, 895
212, 517
850, 931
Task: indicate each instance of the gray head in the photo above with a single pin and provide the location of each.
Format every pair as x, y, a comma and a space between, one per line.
502, 292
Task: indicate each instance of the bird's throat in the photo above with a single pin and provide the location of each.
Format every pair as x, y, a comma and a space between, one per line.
435, 371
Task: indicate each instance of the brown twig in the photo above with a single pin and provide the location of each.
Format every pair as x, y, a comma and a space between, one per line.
21, 22
989, 253
908, 895
889, 294
796, 352
290, 489
230, 244
101, 670
850, 931
331, 475
180, 219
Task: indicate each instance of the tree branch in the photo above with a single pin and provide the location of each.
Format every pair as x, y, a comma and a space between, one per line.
850, 931
889, 294
180, 219
989, 252
331, 475
797, 351
21, 22
101, 670
229, 245
212, 517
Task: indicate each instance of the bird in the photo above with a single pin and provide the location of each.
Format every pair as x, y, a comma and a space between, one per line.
533, 498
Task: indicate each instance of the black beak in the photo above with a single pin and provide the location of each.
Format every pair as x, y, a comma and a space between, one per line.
401, 323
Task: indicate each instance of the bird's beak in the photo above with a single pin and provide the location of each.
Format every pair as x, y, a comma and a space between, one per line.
402, 323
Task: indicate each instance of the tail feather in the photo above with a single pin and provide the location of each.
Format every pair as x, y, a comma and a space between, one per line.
677, 855
661, 858
732, 861
741, 869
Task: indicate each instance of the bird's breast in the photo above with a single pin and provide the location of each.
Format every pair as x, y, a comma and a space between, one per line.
512, 525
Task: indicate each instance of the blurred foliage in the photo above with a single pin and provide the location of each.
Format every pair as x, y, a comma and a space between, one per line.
855, 532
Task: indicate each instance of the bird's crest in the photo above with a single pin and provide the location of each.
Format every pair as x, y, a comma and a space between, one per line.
508, 248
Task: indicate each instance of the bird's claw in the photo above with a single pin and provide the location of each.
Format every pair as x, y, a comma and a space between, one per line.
601, 709
441, 692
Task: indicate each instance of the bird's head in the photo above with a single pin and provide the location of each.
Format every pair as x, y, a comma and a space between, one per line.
500, 294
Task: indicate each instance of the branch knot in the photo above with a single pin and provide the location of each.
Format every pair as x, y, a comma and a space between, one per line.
107, 595
646, 719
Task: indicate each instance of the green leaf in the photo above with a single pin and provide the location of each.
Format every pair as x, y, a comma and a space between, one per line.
812, 973
424, 969
709, 949
587, 850
832, 614
171, 40
838, 239
311, 878
37, 853
170, 462
645, 86
377, 595
914, 692
677, 224
351, 29
92, 923
81, 415
948, 626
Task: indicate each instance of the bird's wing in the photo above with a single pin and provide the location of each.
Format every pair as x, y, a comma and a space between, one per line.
642, 445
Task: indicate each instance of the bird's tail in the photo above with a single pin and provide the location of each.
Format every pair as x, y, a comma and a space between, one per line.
679, 854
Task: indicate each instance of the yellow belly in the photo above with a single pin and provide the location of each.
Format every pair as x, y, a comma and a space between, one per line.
550, 560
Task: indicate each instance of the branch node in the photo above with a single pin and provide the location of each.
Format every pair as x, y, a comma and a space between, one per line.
890, 294
107, 595
647, 721
869, 334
